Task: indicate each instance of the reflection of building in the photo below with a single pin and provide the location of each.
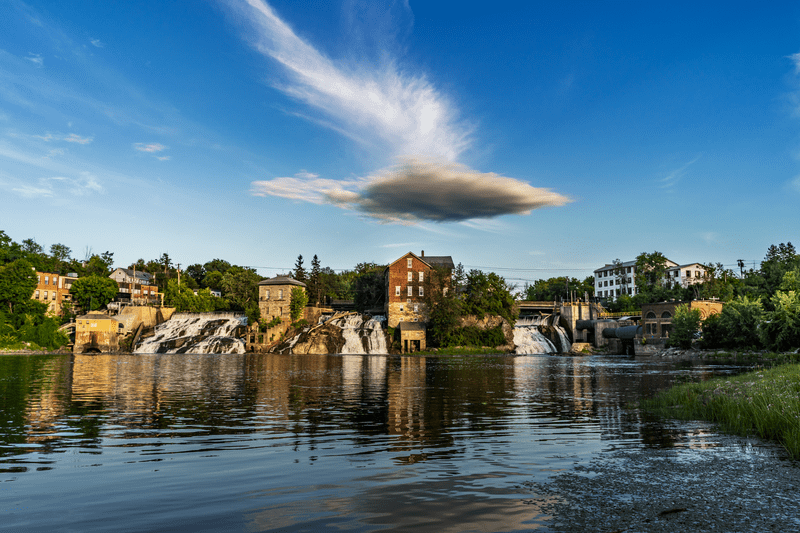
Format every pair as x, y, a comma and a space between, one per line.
96, 332
657, 318
135, 286
53, 289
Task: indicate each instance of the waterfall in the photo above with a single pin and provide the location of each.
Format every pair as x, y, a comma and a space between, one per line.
196, 333
361, 337
531, 336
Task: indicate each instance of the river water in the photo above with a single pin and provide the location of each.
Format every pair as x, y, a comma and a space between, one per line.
182, 442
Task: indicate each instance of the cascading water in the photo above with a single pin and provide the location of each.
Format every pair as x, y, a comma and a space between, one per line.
196, 333
361, 337
340, 334
530, 339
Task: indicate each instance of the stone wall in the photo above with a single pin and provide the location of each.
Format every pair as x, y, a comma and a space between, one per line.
406, 312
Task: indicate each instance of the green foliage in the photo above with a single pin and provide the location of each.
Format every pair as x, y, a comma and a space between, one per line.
736, 326
99, 265
558, 289
299, 271
17, 283
93, 292
488, 294
781, 329
184, 300
240, 288
271, 324
685, 325
297, 303
370, 292
764, 403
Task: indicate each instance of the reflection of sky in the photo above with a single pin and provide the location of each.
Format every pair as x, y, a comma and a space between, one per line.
319, 440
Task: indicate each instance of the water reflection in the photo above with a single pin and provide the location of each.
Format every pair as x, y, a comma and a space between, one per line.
355, 440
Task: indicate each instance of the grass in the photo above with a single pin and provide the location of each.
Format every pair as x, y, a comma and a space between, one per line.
752, 357
765, 403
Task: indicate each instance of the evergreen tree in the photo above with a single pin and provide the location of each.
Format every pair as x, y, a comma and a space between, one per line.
299, 271
314, 280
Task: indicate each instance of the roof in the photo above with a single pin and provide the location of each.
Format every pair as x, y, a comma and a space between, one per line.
282, 280
440, 261
97, 316
411, 326
144, 276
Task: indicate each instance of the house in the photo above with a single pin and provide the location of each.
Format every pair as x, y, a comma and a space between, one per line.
685, 275
96, 333
404, 280
136, 286
274, 297
53, 289
612, 281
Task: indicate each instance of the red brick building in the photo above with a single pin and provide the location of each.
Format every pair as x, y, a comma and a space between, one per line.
405, 286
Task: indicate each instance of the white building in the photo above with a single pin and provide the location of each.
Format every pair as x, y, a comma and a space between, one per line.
685, 275
612, 281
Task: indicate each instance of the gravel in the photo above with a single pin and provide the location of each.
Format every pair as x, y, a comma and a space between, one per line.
737, 485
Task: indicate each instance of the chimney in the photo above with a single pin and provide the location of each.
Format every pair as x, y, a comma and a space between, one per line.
423, 253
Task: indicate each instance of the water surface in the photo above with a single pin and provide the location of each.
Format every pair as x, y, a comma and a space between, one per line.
184, 442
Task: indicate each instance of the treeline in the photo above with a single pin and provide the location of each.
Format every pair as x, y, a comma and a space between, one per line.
187, 289
453, 296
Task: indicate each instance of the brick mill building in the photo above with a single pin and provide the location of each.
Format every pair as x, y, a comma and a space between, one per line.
405, 296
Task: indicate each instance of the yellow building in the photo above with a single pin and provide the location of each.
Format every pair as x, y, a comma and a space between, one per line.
53, 289
96, 333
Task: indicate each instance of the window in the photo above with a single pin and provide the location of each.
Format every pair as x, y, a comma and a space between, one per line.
37, 295
408, 262
612, 282
629, 290
280, 311
401, 308
629, 270
280, 294
410, 290
629, 280
666, 314
53, 296
54, 279
650, 314
410, 276
416, 308
46, 280
45, 295
688, 273
421, 291
397, 290
421, 277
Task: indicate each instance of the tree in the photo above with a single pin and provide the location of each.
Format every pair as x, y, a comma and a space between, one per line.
651, 271
93, 292
197, 273
685, 325
620, 276
60, 253
99, 265
370, 291
781, 329
299, 271
183, 299
314, 280
778, 261
488, 294
297, 303
739, 322
17, 282
32, 247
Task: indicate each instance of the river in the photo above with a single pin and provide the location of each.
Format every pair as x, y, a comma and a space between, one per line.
263, 442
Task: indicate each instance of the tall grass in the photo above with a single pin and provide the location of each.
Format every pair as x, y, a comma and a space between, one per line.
765, 403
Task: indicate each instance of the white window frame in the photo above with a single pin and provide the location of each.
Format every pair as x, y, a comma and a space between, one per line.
397, 290
421, 291
409, 262
411, 290
410, 276
421, 276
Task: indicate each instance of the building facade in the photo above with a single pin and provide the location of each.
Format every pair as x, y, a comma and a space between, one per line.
657, 318
136, 287
612, 281
404, 280
54, 290
274, 297
685, 275
96, 332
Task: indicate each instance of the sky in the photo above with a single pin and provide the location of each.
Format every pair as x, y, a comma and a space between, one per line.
532, 139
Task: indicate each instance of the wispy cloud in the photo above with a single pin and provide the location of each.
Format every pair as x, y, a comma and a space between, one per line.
35, 59
418, 190
83, 185
674, 177
73, 138
795, 183
97, 43
149, 147
404, 110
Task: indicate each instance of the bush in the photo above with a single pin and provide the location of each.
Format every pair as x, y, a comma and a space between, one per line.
685, 325
781, 329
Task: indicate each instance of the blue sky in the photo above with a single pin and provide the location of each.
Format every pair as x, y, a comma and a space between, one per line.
534, 139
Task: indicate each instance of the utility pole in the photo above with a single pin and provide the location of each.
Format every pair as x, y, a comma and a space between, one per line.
741, 267
179, 274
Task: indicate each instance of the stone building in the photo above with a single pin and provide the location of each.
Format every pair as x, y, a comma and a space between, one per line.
405, 295
96, 333
657, 318
274, 297
53, 289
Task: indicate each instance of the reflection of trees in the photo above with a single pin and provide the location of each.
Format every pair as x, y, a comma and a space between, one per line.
424, 406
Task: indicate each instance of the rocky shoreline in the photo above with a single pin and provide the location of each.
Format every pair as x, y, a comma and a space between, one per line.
725, 484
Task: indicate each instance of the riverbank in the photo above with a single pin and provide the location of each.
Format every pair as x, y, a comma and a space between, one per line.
736, 485
765, 403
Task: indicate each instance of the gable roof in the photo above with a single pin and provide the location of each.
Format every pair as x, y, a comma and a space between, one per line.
143, 276
282, 280
441, 261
